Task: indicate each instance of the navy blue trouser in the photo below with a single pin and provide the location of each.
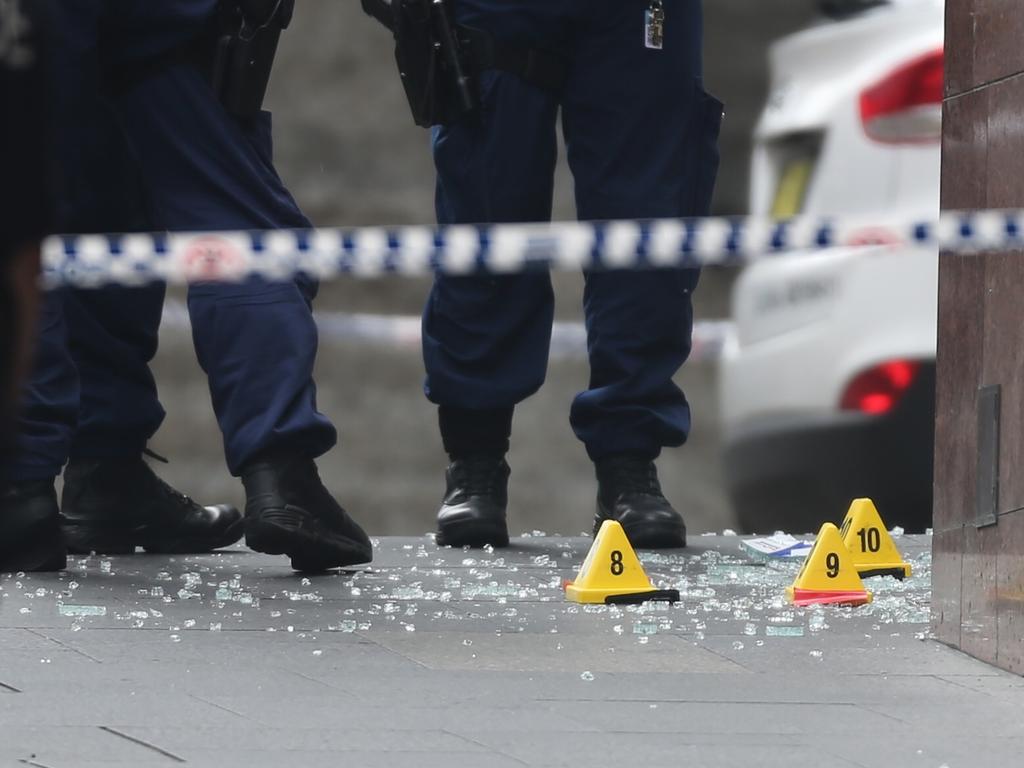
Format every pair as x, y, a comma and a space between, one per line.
92, 394
641, 136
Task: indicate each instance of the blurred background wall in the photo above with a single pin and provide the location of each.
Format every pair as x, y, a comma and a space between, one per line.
346, 146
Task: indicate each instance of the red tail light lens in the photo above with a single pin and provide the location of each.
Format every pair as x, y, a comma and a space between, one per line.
878, 390
906, 106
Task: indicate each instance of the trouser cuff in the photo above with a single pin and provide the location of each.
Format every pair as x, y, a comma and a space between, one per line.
466, 431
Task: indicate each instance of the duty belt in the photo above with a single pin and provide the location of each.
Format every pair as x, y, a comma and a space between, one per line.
440, 61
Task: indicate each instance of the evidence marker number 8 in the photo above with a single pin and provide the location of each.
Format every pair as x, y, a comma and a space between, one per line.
617, 565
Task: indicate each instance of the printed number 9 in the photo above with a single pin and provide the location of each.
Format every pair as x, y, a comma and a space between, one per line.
617, 566
832, 565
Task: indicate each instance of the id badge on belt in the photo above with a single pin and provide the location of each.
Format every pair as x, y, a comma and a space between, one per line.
654, 25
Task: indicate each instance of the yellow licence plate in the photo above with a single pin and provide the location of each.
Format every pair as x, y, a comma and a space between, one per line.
789, 197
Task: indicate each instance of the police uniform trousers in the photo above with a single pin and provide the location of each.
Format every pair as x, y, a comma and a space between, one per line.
641, 137
164, 137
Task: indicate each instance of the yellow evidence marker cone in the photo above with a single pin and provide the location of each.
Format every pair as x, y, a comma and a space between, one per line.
874, 552
828, 575
612, 572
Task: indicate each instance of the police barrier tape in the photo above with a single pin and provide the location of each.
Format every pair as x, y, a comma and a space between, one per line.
402, 333
95, 260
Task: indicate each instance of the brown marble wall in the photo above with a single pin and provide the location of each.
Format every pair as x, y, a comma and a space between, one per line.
978, 565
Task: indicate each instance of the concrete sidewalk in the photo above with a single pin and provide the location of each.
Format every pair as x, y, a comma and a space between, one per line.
456, 658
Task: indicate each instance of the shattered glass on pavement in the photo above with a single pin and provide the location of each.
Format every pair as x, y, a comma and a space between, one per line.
418, 586
461, 648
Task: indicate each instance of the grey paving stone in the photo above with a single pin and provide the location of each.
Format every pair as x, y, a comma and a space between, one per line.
926, 748
730, 717
660, 750
60, 745
317, 759
408, 715
847, 655
338, 738
449, 657
27, 709
556, 652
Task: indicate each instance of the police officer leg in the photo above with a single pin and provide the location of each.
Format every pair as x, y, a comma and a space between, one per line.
112, 501
256, 340
30, 536
486, 339
641, 137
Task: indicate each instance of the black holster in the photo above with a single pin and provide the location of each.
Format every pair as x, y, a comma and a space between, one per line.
245, 51
432, 61
439, 61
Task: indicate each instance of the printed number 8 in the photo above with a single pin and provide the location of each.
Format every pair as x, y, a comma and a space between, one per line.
617, 566
832, 565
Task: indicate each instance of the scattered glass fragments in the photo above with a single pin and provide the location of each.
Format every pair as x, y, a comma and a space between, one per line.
81, 610
782, 630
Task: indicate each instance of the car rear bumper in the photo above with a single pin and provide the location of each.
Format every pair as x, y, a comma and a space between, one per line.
794, 473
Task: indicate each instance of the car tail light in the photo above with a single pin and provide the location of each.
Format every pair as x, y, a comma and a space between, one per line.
906, 106
879, 389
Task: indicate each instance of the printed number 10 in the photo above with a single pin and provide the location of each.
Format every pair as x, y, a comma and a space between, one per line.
870, 539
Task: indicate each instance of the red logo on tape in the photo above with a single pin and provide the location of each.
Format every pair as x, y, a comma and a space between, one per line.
874, 236
210, 258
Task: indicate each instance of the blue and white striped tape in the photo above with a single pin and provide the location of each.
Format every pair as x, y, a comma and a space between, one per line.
94, 260
402, 333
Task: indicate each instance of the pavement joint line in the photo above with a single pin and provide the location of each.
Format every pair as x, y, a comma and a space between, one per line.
33, 763
383, 647
65, 646
729, 702
9, 688
486, 747
221, 707
961, 686
842, 759
887, 715
304, 676
142, 743
720, 655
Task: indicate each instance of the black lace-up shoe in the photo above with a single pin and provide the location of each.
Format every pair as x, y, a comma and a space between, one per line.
288, 511
30, 537
112, 506
628, 491
473, 511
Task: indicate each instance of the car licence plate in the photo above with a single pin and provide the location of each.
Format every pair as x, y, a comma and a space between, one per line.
792, 189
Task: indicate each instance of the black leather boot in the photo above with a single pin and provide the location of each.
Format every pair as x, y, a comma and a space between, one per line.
473, 511
288, 511
628, 491
30, 536
112, 506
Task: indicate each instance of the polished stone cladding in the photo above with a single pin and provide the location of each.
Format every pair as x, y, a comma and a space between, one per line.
978, 601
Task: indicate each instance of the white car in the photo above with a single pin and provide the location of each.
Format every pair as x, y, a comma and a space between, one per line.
827, 379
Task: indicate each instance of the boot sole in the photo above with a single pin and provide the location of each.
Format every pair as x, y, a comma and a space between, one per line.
311, 549
651, 536
39, 557
473, 533
83, 541
231, 535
